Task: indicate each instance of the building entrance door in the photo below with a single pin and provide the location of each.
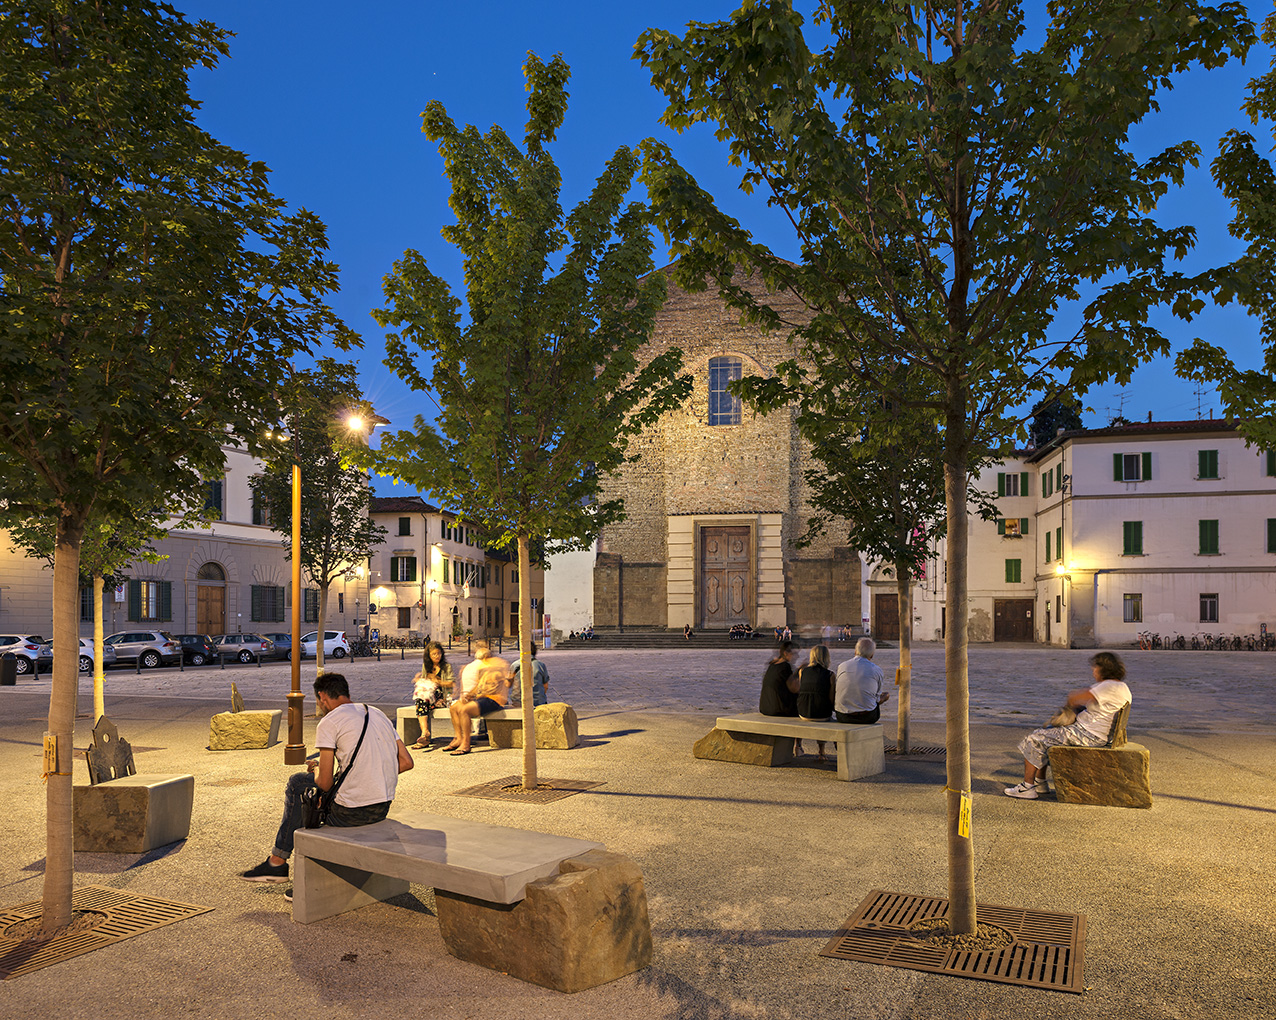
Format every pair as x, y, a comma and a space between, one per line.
1012, 619
886, 617
210, 608
725, 576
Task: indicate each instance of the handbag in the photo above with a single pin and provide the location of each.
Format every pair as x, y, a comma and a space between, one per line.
316, 803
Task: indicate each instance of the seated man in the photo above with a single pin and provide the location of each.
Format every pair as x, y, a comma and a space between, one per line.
490, 693
369, 781
859, 692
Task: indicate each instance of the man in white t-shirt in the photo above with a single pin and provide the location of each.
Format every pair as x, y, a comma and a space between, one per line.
1095, 706
366, 787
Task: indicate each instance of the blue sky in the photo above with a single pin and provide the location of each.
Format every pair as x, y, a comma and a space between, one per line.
329, 96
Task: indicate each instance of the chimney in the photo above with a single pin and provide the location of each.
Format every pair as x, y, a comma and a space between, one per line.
1149, 417
1058, 432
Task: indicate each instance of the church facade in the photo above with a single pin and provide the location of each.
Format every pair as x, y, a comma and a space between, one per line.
717, 499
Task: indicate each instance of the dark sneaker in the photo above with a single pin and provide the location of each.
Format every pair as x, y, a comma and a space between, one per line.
288, 894
266, 872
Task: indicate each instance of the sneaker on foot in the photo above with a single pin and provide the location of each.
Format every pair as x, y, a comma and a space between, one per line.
266, 872
288, 894
1024, 791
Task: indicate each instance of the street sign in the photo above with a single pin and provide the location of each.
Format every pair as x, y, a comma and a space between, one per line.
372, 608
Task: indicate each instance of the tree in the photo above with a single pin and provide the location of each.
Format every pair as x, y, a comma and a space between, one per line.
949, 188
540, 387
1051, 415
151, 286
1249, 182
336, 531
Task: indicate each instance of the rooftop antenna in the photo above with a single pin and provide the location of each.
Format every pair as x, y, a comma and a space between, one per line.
1200, 395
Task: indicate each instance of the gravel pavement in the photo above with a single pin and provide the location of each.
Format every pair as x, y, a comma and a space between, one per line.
748, 871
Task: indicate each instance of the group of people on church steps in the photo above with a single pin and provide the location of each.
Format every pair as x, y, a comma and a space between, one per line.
815, 693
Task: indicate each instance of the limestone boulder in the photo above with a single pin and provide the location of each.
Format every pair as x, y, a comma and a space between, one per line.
244, 731
1107, 776
557, 728
744, 748
583, 927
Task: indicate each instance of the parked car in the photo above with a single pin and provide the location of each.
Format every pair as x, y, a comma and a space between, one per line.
86, 655
197, 649
149, 647
31, 651
283, 645
245, 647
335, 645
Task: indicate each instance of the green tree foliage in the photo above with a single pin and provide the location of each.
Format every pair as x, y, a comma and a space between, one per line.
1051, 415
151, 290
539, 385
336, 532
949, 187
1248, 180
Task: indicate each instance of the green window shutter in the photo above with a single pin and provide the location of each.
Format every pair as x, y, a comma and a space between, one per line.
1271, 463
1001, 526
255, 612
1209, 537
1132, 538
1206, 463
1001, 483
1023, 483
1058, 543
1138, 537
411, 568
166, 600
1147, 466
1023, 525
1013, 571
1058, 476
1048, 556
394, 568
1045, 483
1117, 461
1271, 534
135, 600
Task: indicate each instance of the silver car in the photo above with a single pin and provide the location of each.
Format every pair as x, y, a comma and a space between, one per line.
244, 647
86, 655
30, 650
149, 647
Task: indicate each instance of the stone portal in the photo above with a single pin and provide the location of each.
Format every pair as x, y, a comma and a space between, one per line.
725, 576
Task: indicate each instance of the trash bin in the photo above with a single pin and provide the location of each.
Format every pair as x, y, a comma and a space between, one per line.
8, 669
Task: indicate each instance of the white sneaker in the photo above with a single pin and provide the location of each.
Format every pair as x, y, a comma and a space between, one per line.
1024, 791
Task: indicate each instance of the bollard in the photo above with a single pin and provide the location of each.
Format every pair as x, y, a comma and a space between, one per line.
221, 657
402, 652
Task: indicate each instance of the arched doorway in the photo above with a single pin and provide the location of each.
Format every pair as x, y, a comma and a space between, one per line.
210, 599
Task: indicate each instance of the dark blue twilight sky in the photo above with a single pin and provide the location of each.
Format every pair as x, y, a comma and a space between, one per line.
329, 96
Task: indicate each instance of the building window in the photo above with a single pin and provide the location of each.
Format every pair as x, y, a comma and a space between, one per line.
310, 608
341, 602
1271, 534
1131, 467
724, 409
1271, 463
213, 500
1209, 607
405, 617
86, 603
1058, 608
469, 617
498, 617
405, 525
1048, 556
1206, 463
1010, 483
1209, 538
1058, 543
150, 601
403, 568
1132, 538
266, 604
1013, 571
1014, 527
1132, 608
1047, 483
489, 617
1058, 474
261, 512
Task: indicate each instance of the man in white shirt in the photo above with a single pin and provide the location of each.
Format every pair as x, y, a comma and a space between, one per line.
859, 691
367, 784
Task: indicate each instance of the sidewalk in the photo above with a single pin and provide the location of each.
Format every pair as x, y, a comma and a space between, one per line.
748, 871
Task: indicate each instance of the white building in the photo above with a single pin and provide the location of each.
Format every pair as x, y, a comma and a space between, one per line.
1165, 527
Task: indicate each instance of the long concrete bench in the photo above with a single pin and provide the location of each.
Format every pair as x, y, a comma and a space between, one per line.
767, 740
554, 910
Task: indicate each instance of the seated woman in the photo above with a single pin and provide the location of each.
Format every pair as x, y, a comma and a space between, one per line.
491, 693
815, 691
779, 685
1096, 706
431, 689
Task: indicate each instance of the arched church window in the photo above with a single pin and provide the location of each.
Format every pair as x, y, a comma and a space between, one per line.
724, 408
210, 572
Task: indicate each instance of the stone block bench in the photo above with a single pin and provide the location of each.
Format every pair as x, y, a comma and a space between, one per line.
757, 739
552, 910
1116, 775
557, 728
244, 731
132, 814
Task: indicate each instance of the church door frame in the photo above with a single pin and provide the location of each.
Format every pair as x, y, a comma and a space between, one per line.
751, 578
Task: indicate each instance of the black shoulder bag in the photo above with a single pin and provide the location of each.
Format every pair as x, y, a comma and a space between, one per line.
316, 802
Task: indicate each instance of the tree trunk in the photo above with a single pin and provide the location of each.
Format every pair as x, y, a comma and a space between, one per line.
961, 853
525, 662
323, 615
904, 586
59, 858
99, 669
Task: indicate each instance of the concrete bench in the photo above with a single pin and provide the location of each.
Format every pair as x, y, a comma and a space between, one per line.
554, 910
1117, 775
757, 739
132, 814
245, 730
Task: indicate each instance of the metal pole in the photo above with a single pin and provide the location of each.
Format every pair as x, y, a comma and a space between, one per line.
295, 751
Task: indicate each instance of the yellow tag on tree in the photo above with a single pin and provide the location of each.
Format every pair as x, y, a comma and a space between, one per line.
963, 816
50, 754
898, 671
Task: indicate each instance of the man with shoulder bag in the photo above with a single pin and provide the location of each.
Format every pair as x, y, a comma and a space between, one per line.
363, 740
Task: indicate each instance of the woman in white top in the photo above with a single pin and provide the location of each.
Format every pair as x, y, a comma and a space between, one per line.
1096, 706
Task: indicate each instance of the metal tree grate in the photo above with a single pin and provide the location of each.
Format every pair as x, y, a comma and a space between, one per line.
1046, 953
511, 788
127, 915
920, 750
